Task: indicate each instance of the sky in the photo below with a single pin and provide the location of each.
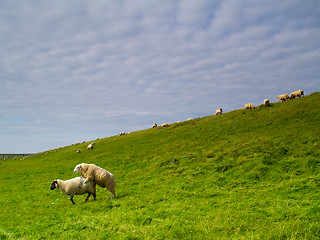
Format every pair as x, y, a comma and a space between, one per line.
73, 71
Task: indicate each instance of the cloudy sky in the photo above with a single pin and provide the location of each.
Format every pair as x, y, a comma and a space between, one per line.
76, 70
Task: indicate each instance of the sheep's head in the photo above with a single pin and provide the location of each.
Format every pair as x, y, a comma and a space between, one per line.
77, 168
54, 184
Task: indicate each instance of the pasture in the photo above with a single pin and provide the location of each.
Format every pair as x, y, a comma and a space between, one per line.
246, 174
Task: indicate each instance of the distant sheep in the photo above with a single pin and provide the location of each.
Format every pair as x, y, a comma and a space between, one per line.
249, 106
189, 119
266, 103
178, 122
99, 175
154, 125
122, 133
219, 111
90, 146
78, 150
295, 94
72, 187
165, 125
283, 97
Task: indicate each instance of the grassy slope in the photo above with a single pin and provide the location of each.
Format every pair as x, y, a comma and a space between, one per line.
243, 175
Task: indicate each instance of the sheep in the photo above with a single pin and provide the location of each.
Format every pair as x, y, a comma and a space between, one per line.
178, 122
189, 119
154, 125
122, 133
165, 125
249, 106
90, 146
72, 187
78, 150
283, 97
266, 103
295, 94
99, 175
219, 111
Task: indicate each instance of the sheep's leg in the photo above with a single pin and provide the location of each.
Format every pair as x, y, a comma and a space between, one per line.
113, 194
89, 194
94, 196
81, 184
71, 199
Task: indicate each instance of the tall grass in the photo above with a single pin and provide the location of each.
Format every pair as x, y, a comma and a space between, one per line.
243, 175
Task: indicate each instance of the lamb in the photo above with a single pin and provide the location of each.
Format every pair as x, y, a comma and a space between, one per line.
249, 106
283, 97
266, 103
165, 125
99, 175
72, 187
154, 125
219, 111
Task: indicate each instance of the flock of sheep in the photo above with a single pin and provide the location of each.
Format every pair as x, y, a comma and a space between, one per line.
91, 175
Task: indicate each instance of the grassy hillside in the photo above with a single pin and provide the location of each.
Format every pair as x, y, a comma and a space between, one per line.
247, 174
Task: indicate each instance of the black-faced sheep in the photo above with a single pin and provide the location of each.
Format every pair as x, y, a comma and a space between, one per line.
90, 146
75, 186
283, 97
154, 125
99, 175
266, 103
165, 125
122, 133
219, 111
249, 106
295, 94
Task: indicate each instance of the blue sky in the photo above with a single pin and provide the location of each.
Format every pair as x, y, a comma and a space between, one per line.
77, 70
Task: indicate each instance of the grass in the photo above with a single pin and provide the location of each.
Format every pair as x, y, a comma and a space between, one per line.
243, 175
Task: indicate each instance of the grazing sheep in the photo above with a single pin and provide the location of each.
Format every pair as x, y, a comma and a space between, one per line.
78, 150
266, 103
122, 133
249, 106
295, 94
165, 125
154, 125
72, 187
90, 146
99, 175
219, 111
178, 122
189, 119
283, 97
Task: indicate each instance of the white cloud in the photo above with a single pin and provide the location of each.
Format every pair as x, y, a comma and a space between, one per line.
99, 67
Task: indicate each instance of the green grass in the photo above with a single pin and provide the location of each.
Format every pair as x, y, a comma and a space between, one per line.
247, 174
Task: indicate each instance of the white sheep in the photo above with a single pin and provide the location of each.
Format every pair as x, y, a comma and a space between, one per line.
78, 150
283, 97
266, 103
154, 125
219, 111
122, 133
90, 146
99, 175
295, 94
165, 125
249, 106
189, 119
72, 187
